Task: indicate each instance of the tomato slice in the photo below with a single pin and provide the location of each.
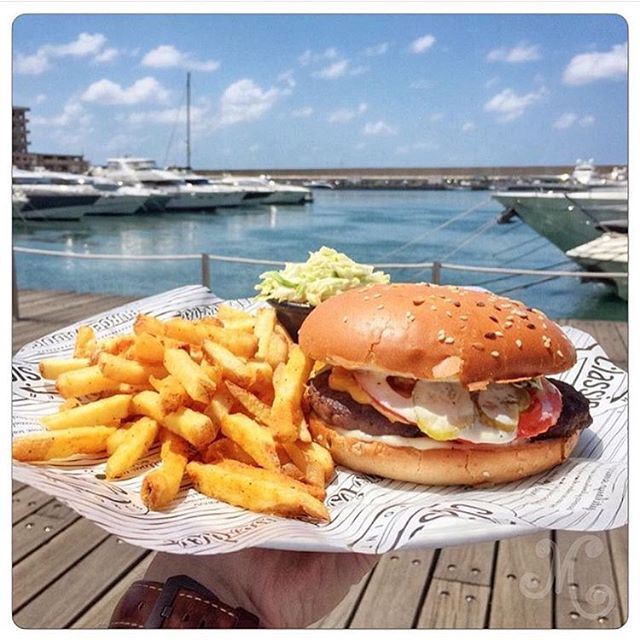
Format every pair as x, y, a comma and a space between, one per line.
543, 412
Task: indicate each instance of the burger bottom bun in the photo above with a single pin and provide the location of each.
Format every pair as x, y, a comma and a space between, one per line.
444, 466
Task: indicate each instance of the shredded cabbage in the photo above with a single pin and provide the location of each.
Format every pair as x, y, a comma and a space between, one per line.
324, 274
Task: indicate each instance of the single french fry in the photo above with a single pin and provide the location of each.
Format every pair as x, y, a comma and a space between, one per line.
225, 448
48, 445
107, 411
277, 350
313, 461
228, 314
195, 427
264, 491
148, 324
240, 343
265, 324
220, 405
85, 342
51, 368
213, 371
250, 402
128, 371
184, 331
289, 383
82, 382
148, 403
69, 403
139, 438
262, 384
116, 439
115, 346
255, 439
282, 332
161, 486
148, 348
232, 366
194, 380
172, 393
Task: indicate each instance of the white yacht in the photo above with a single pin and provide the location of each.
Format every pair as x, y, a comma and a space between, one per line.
183, 196
272, 192
51, 196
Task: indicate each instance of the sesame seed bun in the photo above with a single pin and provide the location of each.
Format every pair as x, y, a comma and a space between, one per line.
446, 466
436, 332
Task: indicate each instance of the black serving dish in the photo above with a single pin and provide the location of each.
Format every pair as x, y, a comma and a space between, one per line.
291, 315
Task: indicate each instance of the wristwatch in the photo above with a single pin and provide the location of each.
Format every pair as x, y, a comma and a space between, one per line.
178, 603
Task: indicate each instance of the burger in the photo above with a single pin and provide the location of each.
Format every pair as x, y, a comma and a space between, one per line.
440, 385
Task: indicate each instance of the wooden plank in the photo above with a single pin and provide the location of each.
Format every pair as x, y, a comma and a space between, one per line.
26, 502
454, 605
340, 617
42, 525
17, 486
410, 569
98, 615
522, 594
470, 563
82, 586
586, 595
52, 559
619, 547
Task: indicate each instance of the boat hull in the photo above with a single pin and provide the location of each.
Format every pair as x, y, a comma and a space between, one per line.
567, 220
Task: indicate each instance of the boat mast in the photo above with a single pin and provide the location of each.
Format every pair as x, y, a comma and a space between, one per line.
188, 119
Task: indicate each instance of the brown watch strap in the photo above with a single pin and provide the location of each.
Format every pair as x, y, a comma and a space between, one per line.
179, 603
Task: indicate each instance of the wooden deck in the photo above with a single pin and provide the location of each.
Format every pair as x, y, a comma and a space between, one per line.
69, 573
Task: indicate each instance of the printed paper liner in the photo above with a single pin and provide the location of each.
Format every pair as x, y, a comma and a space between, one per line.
368, 514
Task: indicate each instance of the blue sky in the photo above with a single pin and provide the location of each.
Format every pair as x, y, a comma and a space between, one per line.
318, 91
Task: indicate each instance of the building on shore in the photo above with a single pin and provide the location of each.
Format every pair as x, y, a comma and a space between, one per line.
22, 158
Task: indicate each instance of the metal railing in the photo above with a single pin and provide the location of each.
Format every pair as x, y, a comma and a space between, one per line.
436, 267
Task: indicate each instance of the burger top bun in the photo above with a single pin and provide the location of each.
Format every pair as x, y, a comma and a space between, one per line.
436, 333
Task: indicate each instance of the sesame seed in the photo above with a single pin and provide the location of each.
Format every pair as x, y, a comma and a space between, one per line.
464, 317
519, 343
377, 295
441, 335
544, 325
418, 301
497, 307
495, 354
345, 319
508, 324
530, 325
449, 340
380, 306
499, 334
480, 303
456, 303
490, 335
478, 346
366, 298
433, 307
410, 316
520, 314
560, 353
449, 314
493, 318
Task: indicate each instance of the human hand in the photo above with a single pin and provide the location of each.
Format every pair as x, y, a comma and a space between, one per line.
285, 589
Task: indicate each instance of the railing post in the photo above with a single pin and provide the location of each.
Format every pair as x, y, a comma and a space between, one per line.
206, 270
14, 287
436, 269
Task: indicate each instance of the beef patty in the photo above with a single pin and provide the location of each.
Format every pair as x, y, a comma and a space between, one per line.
339, 409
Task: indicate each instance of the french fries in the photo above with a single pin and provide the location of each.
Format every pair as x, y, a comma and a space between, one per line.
256, 489
222, 396
161, 486
48, 445
194, 380
139, 438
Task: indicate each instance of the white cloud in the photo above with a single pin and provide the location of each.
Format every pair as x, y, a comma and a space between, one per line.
377, 49
145, 89
436, 117
40, 98
509, 105
309, 57
245, 101
379, 128
565, 121
420, 45
286, 77
522, 52
491, 82
166, 56
468, 126
598, 65
358, 71
303, 112
415, 146
333, 71
167, 116
108, 55
340, 116
73, 114
587, 121
85, 45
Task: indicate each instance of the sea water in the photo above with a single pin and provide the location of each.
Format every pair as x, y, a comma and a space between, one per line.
370, 226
